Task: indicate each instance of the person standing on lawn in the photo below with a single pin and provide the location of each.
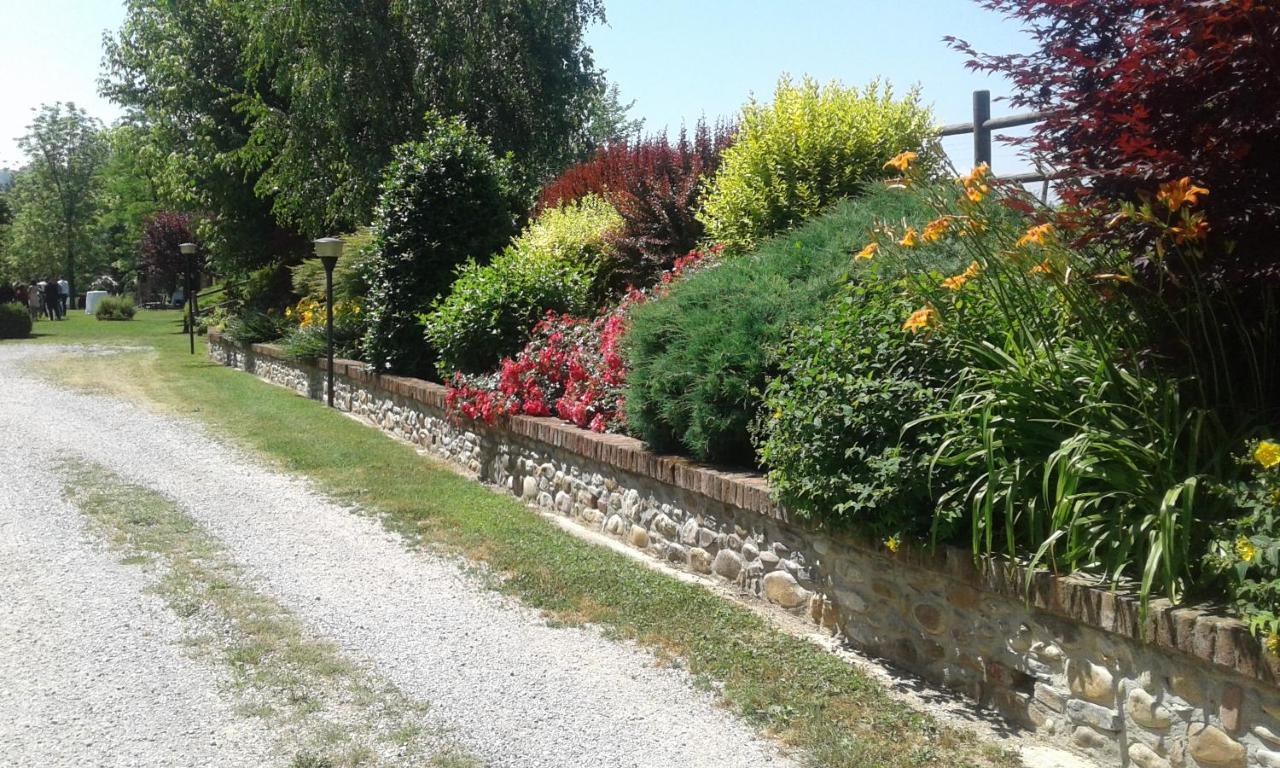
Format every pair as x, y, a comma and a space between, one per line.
51, 299
64, 295
34, 300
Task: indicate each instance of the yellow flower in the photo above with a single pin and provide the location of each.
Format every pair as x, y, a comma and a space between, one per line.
975, 186
921, 320
1267, 454
288, 312
867, 252
1175, 194
972, 270
1036, 235
892, 543
902, 161
1245, 549
1273, 644
909, 239
934, 230
1043, 268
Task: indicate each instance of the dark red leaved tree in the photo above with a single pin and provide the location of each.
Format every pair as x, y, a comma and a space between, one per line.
1146, 91
655, 185
161, 262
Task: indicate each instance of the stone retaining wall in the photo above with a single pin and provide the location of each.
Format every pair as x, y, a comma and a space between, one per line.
1179, 687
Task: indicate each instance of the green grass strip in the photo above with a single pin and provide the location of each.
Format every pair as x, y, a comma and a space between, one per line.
323, 711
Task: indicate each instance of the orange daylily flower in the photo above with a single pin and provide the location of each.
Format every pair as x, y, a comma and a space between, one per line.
975, 186
1043, 268
902, 161
1193, 229
934, 230
921, 320
1175, 194
1037, 235
867, 252
910, 239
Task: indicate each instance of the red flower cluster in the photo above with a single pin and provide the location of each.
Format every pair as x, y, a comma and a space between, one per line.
572, 368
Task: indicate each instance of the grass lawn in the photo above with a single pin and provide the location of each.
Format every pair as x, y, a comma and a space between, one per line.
832, 714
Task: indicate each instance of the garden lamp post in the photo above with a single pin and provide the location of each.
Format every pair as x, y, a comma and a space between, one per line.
328, 249
189, 250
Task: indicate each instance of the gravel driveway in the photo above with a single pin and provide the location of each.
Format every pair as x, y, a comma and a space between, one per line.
514, 691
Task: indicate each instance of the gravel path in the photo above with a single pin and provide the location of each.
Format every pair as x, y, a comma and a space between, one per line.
515, 691
91, 671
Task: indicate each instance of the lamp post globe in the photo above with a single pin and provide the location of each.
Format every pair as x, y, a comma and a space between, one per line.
328, 250
189, 251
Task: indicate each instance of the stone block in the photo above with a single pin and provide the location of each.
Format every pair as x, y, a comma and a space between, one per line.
689, 532
1146, 711
665, 526
1101, 718
1211, 746
781, 588
699, 560
1091, 681
727, 564
638, 537
1050, 697
1087, 738
1143, 756
1267, 759
615, 525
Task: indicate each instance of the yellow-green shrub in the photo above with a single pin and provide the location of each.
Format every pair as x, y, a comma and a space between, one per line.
558, 264
807, 149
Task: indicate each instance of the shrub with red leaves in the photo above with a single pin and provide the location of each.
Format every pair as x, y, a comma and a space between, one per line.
655, 186
161, 260
572, 368
1148, 91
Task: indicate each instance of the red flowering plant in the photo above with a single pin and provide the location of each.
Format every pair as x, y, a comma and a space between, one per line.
572, 368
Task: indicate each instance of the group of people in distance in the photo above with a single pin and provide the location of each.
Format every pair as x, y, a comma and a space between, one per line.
47, 298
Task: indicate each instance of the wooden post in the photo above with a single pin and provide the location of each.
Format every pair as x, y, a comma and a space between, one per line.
981, 133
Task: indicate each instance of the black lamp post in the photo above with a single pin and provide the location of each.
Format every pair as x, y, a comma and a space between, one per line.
328, 249
189, 250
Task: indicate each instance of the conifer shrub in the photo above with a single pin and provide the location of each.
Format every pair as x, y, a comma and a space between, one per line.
700, 356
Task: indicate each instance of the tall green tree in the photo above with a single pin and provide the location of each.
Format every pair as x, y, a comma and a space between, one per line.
298, 105
66, 148
178, 69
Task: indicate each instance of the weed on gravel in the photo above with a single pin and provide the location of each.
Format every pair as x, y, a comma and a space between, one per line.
324, 711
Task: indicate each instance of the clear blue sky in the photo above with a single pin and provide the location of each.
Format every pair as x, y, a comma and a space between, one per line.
677, 59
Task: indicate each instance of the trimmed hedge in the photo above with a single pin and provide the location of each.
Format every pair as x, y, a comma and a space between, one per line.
115, 308
15, 321
445, 199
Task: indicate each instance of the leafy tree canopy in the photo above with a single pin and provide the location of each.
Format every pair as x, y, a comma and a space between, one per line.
296, 107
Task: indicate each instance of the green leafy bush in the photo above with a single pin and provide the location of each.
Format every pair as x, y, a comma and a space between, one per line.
834, 433
445, 199
1248, 554
115, 308
699, 357
15, 321
812, 146
558, 264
